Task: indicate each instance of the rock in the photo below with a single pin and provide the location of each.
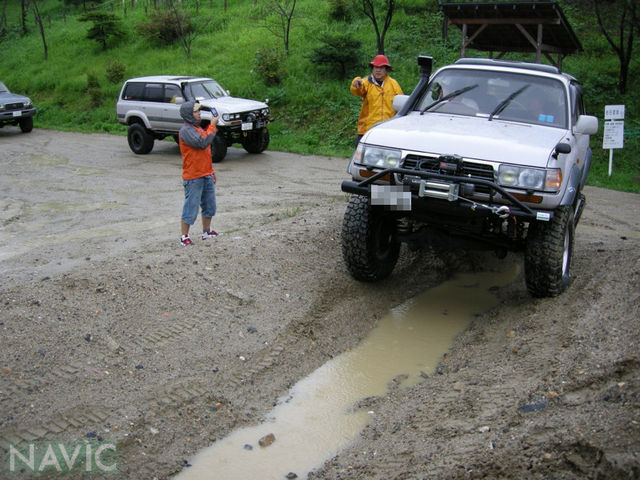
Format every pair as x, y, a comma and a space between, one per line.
291, 475
267, 440
248, 447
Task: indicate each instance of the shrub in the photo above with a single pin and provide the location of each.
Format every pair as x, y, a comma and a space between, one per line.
163, 28
338, 55
115, 71
340, 10
270, 65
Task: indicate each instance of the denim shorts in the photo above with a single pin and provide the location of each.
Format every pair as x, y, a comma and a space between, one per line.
198, 192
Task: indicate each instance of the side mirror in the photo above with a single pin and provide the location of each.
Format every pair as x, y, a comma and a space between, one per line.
586, 124
563, 148
178, 100
399, 101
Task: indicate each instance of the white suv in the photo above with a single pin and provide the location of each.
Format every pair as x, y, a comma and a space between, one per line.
150, 106
483, 153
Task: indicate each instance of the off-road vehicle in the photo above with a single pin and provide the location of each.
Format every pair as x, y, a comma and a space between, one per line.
483, 153
15, 110
150, 106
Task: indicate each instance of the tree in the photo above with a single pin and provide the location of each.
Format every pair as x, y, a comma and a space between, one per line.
368, 7
338, 54
186, 32
279, 22
105, 26
618, 20
38, 19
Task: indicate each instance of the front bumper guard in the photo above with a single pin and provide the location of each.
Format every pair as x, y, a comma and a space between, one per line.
447, 188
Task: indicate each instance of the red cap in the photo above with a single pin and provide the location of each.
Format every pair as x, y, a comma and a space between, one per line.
380, 61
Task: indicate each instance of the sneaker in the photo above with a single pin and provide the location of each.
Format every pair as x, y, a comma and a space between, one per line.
209, 234
185, 240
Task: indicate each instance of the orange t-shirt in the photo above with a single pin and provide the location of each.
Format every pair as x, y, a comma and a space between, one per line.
196, 163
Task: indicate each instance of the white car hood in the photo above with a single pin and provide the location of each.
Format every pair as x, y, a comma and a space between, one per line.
470, 137
233, 104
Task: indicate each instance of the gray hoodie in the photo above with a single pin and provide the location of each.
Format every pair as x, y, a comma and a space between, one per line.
188, 132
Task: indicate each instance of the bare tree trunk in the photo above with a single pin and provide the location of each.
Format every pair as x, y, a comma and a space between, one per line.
3, 18
369, 9
625, 23
24, 5
38, 19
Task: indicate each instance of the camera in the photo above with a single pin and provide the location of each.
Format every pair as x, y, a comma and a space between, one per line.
213, 111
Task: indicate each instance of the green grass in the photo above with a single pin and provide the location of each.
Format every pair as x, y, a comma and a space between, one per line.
314, 113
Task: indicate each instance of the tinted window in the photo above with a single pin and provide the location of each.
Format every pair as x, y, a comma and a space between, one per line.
154, 92
133, 91
171, 92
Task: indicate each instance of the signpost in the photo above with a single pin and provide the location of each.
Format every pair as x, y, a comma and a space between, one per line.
613, 130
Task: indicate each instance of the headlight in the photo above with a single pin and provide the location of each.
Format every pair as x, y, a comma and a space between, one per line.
378, 157
228, 117
265, 112
548, 180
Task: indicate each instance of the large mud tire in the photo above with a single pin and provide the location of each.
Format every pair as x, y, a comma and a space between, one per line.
26, 124
218, 148
140, 141
370, 245
548, 254
256, 141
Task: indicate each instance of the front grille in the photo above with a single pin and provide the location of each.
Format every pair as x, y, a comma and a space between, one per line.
14, 106
252, 116
469, 169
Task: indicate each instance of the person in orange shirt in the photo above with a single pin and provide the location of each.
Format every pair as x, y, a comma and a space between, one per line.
198, 175
377, 92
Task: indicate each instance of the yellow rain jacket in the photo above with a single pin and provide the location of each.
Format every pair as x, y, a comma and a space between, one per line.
376, 101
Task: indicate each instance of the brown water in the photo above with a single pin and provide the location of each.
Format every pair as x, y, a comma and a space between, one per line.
317, 418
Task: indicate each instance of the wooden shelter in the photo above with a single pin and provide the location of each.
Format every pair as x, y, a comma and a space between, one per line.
501, 27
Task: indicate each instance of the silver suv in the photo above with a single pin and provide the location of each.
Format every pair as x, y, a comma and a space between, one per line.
150, 106
15, 110
483, 153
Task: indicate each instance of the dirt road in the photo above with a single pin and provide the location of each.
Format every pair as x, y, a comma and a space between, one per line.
112, 332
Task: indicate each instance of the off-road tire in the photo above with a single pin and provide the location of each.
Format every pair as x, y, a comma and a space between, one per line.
26, 124
548, 254
218, 148
140, 140
256, 141
370, 245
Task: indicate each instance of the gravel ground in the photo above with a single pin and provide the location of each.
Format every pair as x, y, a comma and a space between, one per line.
112, 331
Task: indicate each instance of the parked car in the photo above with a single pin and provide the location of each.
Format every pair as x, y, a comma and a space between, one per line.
483, 153
16, 110
150, 107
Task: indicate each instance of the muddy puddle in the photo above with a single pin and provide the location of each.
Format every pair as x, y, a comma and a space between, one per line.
319, 416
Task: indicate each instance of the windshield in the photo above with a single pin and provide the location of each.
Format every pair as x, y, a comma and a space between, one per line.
204, 90
3, 88
496, 96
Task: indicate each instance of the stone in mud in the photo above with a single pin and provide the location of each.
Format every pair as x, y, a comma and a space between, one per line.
267, 440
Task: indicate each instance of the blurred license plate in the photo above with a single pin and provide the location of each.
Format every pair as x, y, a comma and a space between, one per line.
247, 125
393, 197
17, 114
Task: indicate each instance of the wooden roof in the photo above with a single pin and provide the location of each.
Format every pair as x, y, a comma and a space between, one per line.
501, 27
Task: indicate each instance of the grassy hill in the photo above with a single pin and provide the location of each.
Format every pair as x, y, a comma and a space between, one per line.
76, 87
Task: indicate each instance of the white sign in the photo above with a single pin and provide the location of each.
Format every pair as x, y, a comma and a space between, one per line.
613, 134
614, 112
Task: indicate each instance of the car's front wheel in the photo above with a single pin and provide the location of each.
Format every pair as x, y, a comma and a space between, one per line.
256, 141
548, 254
370, 244
26, 124
140, 141
218, 148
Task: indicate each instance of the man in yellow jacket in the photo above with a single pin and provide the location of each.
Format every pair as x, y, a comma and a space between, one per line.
377, 92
